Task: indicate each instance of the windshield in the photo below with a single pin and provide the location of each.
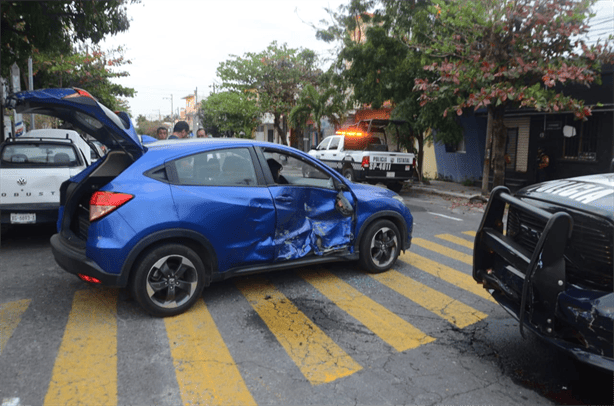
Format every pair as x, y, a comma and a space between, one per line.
26, 154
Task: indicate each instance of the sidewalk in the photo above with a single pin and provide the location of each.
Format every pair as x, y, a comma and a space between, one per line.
449, 189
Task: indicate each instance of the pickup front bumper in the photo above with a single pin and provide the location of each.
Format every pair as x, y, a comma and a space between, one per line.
532, 286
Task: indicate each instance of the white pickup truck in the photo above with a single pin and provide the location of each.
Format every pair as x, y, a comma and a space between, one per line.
32, 168
362, 154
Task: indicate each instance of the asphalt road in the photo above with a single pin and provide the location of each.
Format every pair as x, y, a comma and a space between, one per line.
423, 333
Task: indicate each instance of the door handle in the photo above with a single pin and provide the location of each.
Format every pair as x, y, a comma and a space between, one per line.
284, 199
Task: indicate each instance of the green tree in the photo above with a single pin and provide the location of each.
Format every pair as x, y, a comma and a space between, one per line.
231, 111
378, 66
318, 104
147, 127
55, 27
509, 54
88, 70
276, 75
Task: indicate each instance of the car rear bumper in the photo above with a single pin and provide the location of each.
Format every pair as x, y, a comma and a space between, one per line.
45, 212
73, 260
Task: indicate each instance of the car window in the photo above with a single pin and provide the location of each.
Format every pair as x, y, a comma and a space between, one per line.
228, 167
290, 170
26, 154
324, 143
334, 143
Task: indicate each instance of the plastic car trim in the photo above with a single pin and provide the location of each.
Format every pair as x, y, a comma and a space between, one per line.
73, 260
207, 253
393, 216
240, 271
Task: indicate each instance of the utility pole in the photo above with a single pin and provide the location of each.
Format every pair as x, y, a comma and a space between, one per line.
31, 87
166, 98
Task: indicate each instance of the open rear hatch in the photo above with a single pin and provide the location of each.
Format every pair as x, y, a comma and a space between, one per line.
114, 130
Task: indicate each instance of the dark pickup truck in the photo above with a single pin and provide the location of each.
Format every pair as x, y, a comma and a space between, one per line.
546, 255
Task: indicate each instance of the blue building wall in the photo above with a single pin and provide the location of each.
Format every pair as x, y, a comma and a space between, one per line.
460, 166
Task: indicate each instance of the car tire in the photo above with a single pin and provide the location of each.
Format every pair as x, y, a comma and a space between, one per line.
168, 280
395, 186
348, 173
380, 246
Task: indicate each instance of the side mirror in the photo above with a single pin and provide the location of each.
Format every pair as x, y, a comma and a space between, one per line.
340, 187
343, 206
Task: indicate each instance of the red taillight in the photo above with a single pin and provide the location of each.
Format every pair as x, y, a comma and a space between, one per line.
103, 203
80, 93
365, 162
88, 278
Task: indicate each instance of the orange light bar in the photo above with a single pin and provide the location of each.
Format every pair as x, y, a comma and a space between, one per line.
351, 133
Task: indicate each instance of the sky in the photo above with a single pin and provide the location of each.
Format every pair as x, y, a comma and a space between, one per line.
175, 46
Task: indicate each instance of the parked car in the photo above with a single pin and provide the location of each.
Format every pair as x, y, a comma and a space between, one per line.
552, 268
32, 168
169, 218
361, 153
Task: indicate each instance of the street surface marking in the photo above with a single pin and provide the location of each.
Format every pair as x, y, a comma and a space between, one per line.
444, 216
456, 240
85, 370
448, 252
470, 233
382, 322
442, 305
205, 370
316, 355
450, 275
10, 316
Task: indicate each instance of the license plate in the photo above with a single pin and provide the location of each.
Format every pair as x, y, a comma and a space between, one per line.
23, 218
390, 174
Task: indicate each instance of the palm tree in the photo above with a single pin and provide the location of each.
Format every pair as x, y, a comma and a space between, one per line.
315, 105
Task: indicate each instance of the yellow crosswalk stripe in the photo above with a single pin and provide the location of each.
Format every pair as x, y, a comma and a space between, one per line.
456, 240
205, 370
382, 322
450, 275
470, 233
10, 316
316, 355
85, 369
448, 252
442, 305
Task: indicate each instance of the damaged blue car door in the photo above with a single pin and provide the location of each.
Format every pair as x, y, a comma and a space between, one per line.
313, 217
222, 189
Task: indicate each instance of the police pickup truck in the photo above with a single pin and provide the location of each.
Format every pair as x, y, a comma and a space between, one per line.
361, 153
32, 168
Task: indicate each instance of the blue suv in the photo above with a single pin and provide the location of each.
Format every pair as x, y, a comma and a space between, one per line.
169, 218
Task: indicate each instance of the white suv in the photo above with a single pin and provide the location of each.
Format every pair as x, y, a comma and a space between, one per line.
32, 168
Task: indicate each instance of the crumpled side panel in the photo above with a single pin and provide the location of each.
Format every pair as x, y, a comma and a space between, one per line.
308, 222
313, 236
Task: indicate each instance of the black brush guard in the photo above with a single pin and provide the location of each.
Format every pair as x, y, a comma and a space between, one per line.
527, 284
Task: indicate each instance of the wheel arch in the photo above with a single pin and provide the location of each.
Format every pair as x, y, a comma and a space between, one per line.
390, 215
192, 239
